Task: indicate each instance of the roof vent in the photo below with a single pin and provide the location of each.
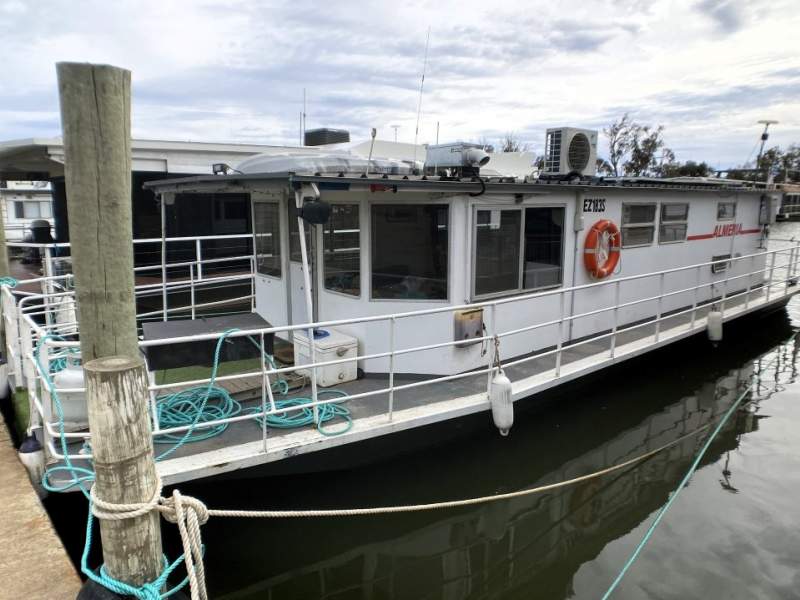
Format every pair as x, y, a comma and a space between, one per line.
323, 136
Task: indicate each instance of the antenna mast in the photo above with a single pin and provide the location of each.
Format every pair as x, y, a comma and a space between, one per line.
764, 137
304, 116
421, 85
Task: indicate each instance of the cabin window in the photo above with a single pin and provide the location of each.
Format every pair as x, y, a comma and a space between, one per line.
726, 211
674, 218
544, 234
518, 249
497, 250
638, 224
409, 251
267, 232
295, 253
32, 209
342, 250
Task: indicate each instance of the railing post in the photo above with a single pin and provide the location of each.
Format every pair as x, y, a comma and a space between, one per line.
493, 352
266, 393
125, 469
771, 274
560, 343
789, 271
615, 325
749, 283
694, 299
198, 251
191, 290
47, 269
28, 368
725, 292
659, 303
391, 366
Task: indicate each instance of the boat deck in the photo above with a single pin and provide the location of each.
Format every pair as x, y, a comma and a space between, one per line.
416, 403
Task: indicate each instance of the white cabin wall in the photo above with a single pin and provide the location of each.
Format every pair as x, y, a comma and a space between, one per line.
515, 312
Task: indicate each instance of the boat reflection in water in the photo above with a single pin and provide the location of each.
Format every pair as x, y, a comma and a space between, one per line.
522, 548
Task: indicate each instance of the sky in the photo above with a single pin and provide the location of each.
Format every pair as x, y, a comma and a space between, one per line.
235, 71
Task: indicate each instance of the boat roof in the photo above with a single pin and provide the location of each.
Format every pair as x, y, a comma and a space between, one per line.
473, 185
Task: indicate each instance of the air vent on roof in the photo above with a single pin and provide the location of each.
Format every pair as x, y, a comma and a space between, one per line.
569, 150
320, 137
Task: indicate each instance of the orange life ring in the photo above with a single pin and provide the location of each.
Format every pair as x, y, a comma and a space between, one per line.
601, 249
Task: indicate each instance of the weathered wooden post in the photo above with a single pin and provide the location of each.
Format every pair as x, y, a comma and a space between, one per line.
125, 471
96, 119
95, 116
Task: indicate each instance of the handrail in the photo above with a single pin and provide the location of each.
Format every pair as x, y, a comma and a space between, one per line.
772, 276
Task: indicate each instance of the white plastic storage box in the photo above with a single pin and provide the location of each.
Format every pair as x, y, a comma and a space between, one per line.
329, 344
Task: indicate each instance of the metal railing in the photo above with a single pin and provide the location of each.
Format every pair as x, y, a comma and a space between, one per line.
767, 277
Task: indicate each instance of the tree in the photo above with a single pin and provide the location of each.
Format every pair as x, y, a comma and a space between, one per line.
688, 169
776, 164
603, 167
511, 143
644, 147
620, 139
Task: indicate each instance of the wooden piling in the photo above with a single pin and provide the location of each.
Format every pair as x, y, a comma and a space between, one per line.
95, 116
125, 473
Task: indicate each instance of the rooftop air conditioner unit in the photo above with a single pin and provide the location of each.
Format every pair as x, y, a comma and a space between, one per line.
570, 150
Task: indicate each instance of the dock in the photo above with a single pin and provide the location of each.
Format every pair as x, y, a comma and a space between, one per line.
35, 563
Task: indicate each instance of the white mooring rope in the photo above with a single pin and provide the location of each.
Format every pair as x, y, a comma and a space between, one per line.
190, 513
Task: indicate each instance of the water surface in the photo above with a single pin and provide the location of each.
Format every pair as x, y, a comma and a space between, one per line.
733, 533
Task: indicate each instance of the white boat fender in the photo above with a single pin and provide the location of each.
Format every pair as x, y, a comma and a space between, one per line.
502, 405
714, 326
31, 456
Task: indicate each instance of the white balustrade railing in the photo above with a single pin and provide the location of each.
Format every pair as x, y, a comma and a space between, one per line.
768, 276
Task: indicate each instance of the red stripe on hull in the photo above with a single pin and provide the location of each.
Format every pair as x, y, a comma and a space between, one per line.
708, 236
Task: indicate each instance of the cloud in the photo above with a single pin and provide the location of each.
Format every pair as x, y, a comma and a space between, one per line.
236, 70
726, 15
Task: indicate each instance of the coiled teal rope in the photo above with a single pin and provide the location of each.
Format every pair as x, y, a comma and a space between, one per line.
189, 407
8, 282
305, 415
179, 407
195, 405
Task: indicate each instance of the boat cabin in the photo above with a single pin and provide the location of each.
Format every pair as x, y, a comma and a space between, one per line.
376, 244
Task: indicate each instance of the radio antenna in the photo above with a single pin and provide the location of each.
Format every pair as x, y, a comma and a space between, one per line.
421, 86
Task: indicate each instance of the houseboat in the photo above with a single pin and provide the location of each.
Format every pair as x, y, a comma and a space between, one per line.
389, 296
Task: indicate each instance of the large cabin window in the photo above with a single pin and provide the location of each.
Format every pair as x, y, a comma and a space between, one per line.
409, 251
674, 220
268, 238
342, 250
518, 249
638, 224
